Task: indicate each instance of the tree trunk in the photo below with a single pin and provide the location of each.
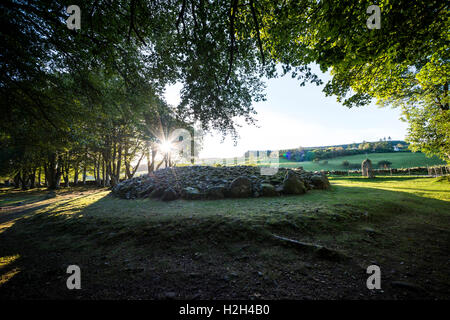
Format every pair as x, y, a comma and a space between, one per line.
159, 164
39, 177
98, 171
84, 173
66, 173
137, 165
53, 171
24, 180
130, 170
109, 174
112, 165
75, 174
116, 163
17, 180
119, 164
95, 172
103, 174
151, 163
32, 178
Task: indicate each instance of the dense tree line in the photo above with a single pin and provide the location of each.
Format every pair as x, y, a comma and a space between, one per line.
317, 154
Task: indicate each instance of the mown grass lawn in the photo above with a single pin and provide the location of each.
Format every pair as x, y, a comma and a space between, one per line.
226, 249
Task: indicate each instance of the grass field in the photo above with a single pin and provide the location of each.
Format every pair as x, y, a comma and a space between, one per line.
226, 249
398, 159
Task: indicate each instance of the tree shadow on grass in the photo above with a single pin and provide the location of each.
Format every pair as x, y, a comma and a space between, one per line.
47, 243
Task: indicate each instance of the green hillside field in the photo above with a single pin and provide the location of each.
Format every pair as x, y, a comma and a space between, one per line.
398, 159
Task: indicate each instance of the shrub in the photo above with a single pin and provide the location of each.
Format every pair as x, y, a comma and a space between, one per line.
345, 163
384, 164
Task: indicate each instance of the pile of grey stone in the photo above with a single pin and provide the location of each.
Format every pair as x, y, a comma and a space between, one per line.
205, 182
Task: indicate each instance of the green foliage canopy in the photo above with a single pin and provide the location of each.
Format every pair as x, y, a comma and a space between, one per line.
405, 63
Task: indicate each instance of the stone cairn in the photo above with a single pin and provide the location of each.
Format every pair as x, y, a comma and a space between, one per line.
366, 169
205, 182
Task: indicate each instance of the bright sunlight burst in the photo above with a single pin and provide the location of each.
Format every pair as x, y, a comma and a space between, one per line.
166, 146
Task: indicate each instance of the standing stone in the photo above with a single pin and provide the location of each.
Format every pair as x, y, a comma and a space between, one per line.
366, 169
292, 184
241, 187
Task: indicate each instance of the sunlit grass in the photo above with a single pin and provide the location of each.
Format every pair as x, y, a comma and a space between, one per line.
6, 225
8, 276
4, 261
73, 206
10, 196
434, 188
7, 261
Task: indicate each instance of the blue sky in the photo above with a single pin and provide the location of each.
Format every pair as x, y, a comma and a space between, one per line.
294, 116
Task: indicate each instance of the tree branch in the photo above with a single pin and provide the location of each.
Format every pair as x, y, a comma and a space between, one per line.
232, 37
255, 19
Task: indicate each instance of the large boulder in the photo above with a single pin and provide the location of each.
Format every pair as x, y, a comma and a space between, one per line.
157, 193
268, 190
320, 181
190, 193
216, 192
241, 187
292, 184
169, 194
